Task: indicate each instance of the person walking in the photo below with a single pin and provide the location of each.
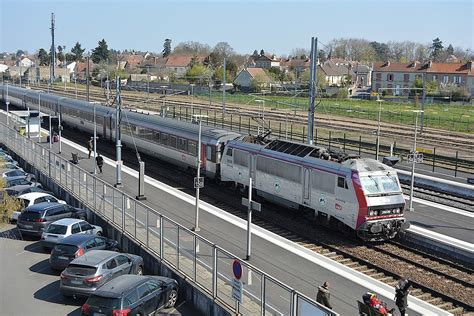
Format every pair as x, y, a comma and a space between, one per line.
401, 295
323, 297
90, 146
100, 162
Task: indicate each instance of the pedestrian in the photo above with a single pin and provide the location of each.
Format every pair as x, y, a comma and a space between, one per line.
100, 162
323, 297
401, 295
90, 146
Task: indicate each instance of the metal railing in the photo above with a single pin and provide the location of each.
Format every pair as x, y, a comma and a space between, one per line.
202, 262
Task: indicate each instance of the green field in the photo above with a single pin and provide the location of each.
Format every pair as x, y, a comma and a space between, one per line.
449, 116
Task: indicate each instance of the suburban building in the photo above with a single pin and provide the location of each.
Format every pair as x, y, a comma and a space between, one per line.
179, 64
26, 62
266, 61
295, 65
362, 75
334, 73
392, 76
247, 76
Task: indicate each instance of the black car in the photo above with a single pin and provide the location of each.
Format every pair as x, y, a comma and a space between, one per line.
132, 295
75, 246
18, 190
10, 182
35, 218
84, 275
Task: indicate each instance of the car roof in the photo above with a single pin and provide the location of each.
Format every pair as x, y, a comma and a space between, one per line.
43, 206
93, 257
76, 239
33, 195
117, 286
67, 221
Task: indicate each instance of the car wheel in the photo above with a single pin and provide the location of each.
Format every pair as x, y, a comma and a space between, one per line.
99, 233
173, 297
116, 249
139, 270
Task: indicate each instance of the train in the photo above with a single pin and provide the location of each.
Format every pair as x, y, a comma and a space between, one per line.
354, 194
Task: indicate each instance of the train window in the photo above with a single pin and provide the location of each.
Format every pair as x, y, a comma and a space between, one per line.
241, 158
156, 137
172, 141
342, 183
182, 144
164, 139
229, 152
212, 157
192, 147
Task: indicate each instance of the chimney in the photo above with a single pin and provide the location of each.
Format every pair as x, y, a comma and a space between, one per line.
430, 63
470, 66
387, 64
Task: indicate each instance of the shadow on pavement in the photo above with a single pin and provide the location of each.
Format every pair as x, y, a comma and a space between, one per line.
76, 312
35, 247
50, 293
43, 267
12, 233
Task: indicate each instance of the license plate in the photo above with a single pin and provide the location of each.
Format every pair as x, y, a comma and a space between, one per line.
28, 226
63, 258
98, 314
77, 282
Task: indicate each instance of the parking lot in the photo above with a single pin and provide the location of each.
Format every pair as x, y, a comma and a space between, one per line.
30, 287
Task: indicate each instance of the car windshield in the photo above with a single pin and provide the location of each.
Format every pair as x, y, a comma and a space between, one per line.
77, 269
380, 184
24, 202
104, 302
56, 229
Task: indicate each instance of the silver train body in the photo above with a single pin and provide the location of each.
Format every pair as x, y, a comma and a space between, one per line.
362, 195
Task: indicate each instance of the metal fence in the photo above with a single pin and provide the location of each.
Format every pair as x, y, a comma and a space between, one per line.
202, 262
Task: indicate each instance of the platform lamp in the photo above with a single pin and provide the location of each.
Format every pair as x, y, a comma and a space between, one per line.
198, 181
414, 158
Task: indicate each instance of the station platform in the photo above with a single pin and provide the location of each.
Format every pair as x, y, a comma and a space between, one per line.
294, 265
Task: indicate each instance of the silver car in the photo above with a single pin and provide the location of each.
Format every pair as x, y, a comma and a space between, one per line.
95, 268
58, 230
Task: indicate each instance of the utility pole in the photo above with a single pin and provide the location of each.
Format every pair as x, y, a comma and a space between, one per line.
422, 115
198, 181
415, 157
118, 140
60, 127
53, 52
95, 143
312, 87
223, 88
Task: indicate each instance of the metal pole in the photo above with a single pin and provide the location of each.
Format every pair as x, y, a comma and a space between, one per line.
223, 88
413, 166
8, 103
378, 128
118, 144
53, 52
312, 94
50, 134
87, 79
60, 129
95, 143
198, 175
75, 84
249, 221
148, 83
422, 123
39, 116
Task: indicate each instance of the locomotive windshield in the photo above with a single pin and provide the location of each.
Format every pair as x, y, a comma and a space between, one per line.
380, 184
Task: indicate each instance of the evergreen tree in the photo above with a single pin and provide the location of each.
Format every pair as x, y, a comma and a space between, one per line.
262, 52
78, 52
167, 48
450, 50
436, 49
43, 57
101, 52
61, 53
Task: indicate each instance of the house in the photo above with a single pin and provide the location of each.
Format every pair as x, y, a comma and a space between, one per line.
362, 75
335, 74
132, 62
179, 64
391, 76
81, 70
155, 65
26, 62
266, 61
3, 69
247, 76
14, 73
296, 65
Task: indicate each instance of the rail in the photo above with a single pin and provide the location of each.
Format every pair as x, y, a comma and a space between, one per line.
205, 264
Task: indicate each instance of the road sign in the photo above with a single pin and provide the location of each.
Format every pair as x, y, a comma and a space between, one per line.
418, 157
237, 269
424, 150
237, 290
255, 206
199, 182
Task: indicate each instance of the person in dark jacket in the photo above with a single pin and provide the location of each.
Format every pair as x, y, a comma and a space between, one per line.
100, 162
90, 148
401, 295
323, 297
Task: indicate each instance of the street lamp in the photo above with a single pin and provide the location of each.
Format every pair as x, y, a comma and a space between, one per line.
262, 115
378, 127
414, 158
198, 181
8, 103
95, 142
39, 116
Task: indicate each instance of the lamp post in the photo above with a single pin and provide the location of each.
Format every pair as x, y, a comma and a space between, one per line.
164, 98
8, 103
95, 143
39, 116
378, 127
414, 157
75, 84
198, 181
262, 114
60, 127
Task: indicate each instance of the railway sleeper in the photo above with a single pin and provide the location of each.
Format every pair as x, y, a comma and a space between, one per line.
424, 296
343, 260
435, 301
454, 311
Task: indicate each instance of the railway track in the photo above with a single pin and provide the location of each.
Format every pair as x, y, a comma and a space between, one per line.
437, 281
430, 137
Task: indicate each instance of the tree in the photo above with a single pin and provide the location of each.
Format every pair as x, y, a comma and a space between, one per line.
450, 50
322, 55
61, 53
191, 48
436, 49
69, 57
101, 52
78, 52
262, 52
20, 53
196, 72
43, 57
166, 48
382, 52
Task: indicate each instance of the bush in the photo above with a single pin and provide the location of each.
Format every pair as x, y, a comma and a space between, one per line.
9, 205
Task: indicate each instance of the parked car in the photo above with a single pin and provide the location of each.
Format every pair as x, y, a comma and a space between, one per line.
75, 246
8, 159
35, 218
9, 166
66, 227
132, 295
8, 173
85, 274
29, 199
13, 181
21, 189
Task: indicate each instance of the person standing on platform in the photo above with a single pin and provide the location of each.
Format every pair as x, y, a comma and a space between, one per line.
90, 147
323, 297
100, 162
401, 295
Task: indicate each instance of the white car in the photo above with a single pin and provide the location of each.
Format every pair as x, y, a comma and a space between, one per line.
58, 230
35, 198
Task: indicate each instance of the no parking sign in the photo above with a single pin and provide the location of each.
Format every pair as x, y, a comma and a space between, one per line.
237, 284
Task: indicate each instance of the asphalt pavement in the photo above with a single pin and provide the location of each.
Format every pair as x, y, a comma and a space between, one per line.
30, 287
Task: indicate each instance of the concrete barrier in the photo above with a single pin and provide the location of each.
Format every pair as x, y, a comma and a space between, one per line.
465, 191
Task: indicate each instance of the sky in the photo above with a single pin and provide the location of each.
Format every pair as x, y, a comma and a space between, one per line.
276, 26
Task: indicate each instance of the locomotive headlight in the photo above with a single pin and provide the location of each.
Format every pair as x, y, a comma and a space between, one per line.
398, 211
372, 213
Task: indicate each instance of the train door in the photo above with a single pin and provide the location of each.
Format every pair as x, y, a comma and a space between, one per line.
306, 187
